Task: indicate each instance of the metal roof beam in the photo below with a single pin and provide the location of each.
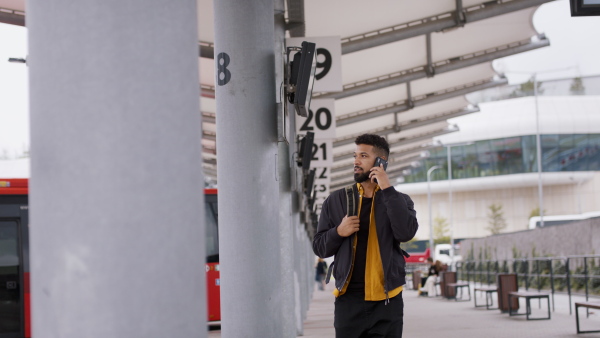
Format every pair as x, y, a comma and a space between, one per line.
206, 49
209, 150
12, 17
209, 117
207, 91
439, 67
434, 23
211, 161
403, 141
423, 137
209, 135
419, 149
210, 172
400, 106
435, 118
407, 125
350, 138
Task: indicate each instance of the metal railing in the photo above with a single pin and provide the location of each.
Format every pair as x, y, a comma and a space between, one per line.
542, 273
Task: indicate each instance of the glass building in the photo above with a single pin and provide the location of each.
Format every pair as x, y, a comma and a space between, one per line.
494, 159
511, 155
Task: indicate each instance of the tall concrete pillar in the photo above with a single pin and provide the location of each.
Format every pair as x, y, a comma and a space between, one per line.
284, 165
247, 148
116, 194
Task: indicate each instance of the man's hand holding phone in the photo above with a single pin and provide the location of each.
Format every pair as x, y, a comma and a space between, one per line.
378, 174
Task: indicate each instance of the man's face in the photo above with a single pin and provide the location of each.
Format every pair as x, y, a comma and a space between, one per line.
364, 159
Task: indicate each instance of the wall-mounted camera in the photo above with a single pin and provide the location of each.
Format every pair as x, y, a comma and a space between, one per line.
309, 182
305, 153
301, 76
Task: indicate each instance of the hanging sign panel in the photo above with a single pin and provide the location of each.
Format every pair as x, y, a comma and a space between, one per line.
328, 75
320, 119
322, 152
322, 181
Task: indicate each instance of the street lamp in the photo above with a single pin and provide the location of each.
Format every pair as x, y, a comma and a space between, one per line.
538, 136
449, 150
429, 203
538, 150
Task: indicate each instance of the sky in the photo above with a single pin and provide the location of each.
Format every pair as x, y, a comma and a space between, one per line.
14, 107
574, 51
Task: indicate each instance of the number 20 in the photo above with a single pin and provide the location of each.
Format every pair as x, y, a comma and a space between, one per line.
318, 119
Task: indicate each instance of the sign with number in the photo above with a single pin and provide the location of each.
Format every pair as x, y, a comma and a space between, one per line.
320, 119
322, 152
223, 74
322, 181
328, 76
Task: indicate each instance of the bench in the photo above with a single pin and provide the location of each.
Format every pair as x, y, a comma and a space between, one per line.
528, 297
447, 277
455, 287
489, 300
588, 305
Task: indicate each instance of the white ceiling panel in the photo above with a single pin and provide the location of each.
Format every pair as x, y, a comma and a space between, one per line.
206, 22
451, 79
481, 35
350, 17
18, 5
207, 71
385, 59
369, 100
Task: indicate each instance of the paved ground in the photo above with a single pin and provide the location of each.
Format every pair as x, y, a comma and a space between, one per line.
437, 317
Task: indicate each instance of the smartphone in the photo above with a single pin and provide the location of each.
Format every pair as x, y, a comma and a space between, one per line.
379, 161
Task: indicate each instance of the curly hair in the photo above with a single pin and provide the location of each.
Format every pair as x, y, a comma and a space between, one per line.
381, 146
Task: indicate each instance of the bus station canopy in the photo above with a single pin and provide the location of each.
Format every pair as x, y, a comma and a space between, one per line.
406, 66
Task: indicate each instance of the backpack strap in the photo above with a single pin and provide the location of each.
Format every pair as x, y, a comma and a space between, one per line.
350, 200
351, 203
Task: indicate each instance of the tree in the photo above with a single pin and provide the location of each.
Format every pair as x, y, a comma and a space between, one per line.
496, 220
440, 230
536, 212
527, 89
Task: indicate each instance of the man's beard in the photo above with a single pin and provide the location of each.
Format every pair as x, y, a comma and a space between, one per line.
360, 178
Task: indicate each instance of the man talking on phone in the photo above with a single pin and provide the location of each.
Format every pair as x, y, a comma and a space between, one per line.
369, 264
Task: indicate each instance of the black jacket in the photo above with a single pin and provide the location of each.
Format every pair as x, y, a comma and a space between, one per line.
396, 222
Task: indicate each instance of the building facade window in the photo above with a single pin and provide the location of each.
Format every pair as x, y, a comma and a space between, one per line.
512, 155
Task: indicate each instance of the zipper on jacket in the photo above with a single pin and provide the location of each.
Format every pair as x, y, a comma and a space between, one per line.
351, 264
387, 298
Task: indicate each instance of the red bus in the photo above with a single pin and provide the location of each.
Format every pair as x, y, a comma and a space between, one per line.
15, 308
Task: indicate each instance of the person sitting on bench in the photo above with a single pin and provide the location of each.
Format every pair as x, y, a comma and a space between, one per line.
432, 276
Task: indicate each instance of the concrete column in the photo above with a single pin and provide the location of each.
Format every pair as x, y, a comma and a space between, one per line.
249, 229
117, 233
287, 245
285, 192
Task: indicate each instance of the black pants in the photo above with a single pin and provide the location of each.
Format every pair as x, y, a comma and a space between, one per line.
355, 317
